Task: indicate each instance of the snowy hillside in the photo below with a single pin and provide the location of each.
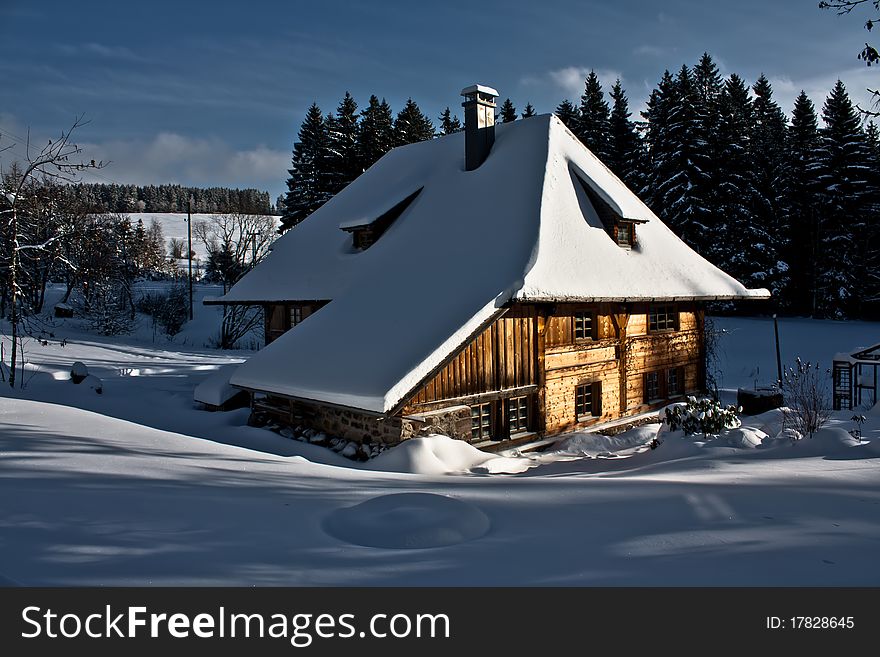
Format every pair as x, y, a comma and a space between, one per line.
174, 226
138, 486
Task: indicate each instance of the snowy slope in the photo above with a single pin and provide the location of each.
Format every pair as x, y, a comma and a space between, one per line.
174, 226
137, 486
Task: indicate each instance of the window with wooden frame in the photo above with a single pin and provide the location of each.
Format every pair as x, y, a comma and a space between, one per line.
588, 400
481, 422
296, 315
662, 317
674, 382
518, 415
625, 233
652, 387
583, 324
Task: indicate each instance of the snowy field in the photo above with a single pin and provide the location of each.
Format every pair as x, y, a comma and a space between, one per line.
174, 227
137, 486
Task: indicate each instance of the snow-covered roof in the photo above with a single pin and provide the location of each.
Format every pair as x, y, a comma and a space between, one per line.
861, 355
519, 227
478, 88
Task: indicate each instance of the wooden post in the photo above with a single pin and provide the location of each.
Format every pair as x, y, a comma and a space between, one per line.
778, 358
541, 374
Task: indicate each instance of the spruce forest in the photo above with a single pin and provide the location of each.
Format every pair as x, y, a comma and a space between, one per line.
785, 201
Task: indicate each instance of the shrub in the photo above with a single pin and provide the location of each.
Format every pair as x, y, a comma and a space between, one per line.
705, 416
169, 310
805, 387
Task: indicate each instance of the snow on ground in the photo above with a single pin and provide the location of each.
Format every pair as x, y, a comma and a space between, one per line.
138, 486
174, 227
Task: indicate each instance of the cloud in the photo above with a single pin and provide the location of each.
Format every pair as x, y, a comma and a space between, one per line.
173, 158
648, 50
571, 79
99, 50
817, 87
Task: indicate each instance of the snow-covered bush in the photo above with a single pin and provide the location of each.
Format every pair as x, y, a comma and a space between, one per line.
705, 416
805, 388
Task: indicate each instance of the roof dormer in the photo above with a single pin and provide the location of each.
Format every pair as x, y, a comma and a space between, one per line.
619, 228
366, 233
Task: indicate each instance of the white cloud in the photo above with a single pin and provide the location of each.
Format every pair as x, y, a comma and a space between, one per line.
571, 80
173, 158
817, 87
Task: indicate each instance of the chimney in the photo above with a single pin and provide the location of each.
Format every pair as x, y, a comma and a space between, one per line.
479, 124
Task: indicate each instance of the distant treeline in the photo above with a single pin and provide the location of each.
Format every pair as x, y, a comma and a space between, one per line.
170, 198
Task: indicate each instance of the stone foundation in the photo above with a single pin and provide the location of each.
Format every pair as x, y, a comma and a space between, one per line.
364, 427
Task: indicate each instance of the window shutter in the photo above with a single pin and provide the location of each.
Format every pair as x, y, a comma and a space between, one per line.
681, 388
594, 326
597, 398
663, 384
677, 318
645, 388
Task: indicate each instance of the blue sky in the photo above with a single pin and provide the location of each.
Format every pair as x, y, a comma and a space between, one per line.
213, 93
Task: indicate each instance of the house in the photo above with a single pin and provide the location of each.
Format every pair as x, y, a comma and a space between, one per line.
492, 284
855, 376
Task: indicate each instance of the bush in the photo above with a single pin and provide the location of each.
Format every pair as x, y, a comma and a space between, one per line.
107, 311
169, 310
705, 416
805, 388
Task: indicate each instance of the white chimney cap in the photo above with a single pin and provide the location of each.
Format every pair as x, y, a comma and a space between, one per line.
479, 88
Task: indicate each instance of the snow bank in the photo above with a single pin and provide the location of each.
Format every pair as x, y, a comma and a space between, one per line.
216, 390
408, 521
440, 455
596, 444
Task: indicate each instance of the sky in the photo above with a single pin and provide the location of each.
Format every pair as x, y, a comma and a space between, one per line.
213, 93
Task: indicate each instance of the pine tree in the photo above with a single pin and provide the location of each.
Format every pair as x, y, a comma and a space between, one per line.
411, 125
593, 127
508, 111
625, 146
343, 143
708, 85
567, 113
843, 159
738, 244
767, 167
449, 123
375, 132
802, 206
529, 111
310, 182
678, 188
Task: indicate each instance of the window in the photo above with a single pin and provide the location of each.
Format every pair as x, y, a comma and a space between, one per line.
662, 318
588, 400
652, 386
295, 315
625, 233
582, 322
481, 422
674, 383
364, 235
518, 414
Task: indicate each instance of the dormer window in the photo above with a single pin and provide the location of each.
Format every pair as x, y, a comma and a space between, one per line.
621, 229
366, 233
625, 233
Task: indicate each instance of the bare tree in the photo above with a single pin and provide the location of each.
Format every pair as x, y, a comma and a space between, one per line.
56, 161
869, 53
235, 243
805, 387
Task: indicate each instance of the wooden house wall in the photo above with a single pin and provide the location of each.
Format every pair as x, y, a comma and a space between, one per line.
502, 357
277, 316
512, 353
